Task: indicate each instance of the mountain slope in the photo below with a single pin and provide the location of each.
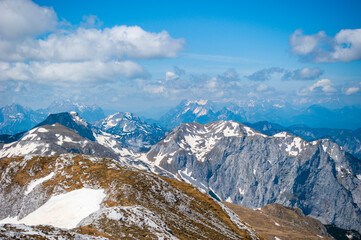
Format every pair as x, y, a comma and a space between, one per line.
201, 111
238, 164
15, 118
51, 140
112, 201
129, 129
276, 221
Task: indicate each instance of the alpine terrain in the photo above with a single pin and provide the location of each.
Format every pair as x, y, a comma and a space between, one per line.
43, 198
237, 164
129, 129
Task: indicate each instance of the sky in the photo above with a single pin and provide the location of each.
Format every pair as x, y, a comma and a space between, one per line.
146, 56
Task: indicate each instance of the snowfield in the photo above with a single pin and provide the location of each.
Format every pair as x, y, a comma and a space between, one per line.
65, 210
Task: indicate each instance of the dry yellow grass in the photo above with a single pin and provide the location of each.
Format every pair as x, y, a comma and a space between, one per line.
291, 222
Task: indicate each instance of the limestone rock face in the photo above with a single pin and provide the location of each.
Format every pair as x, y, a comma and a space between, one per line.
237, 164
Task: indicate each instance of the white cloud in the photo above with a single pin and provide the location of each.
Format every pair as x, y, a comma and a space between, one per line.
20, 18
352, 90
35, 48
69, 73
118, 42
303, 74
305, 44
262, 87
267, 74
348, 45
169, 76
344, 47
323, 86
154, 89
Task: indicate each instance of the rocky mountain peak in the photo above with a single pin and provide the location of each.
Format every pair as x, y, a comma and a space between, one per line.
71, 120
238, 164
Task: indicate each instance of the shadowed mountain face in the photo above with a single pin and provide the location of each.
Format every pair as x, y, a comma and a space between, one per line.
71, 120
243, 166
121, 202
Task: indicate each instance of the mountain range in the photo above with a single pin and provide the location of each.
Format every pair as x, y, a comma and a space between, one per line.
15, 118
316, 116
251, 165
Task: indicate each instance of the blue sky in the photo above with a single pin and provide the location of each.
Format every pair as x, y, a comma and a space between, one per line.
238, 50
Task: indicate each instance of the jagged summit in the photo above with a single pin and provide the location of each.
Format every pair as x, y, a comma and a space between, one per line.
71, 120
201, 111
131, 130
121, 122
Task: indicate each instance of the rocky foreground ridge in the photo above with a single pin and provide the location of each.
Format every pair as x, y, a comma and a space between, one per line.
112, 202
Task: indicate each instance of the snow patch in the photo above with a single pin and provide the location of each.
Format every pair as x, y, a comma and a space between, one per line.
281, 135
295, 147
43, 130
199, 102
241, 191
78, 119
64, 210
35, 183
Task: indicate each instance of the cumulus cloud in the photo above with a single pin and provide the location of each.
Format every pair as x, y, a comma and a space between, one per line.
229, 76
352, 90
345, 46
91, 21
285, 74
70, 73
20, 18
323, 86
262, 87
264, 74
302, 74
35, 47
169, 76
182, 85
118, 42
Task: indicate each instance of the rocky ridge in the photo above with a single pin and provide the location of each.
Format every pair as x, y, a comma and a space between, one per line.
121, 202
